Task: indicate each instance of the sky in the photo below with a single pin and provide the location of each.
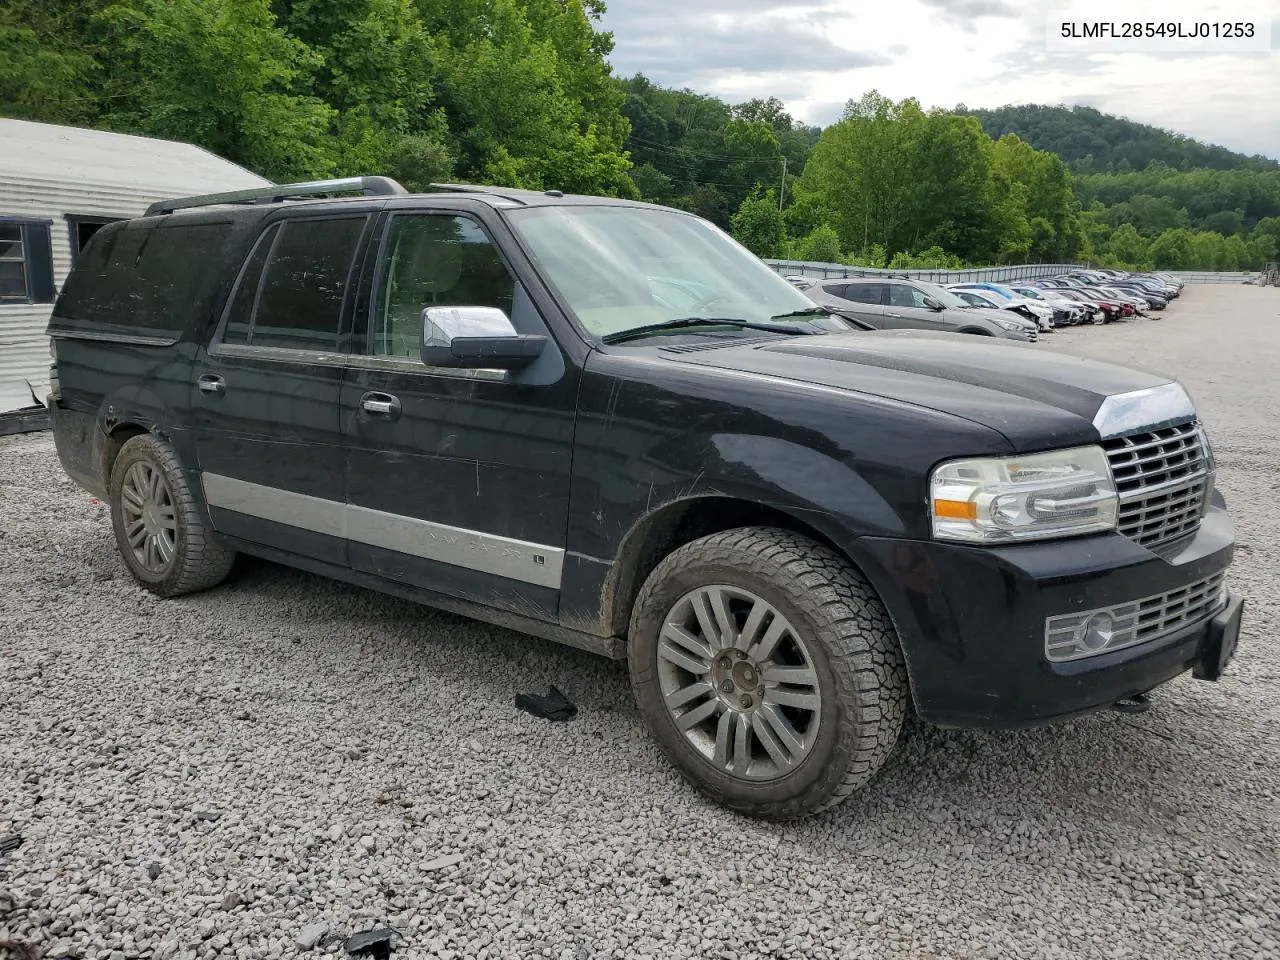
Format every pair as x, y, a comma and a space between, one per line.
814, 55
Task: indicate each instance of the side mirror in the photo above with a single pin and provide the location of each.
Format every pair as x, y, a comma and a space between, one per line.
475, 338
933, 304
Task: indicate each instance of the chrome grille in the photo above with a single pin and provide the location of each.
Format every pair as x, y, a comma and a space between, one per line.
1138, 621
1162, 481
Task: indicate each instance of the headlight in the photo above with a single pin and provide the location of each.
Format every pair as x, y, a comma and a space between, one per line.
1011, 325
1037, 497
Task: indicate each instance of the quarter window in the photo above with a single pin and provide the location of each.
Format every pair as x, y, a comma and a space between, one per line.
434, 261
294, 285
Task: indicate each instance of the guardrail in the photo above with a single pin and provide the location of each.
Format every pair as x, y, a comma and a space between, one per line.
1024, 271
801, 268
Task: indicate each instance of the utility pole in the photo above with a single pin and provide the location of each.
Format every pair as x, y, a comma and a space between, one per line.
782, 191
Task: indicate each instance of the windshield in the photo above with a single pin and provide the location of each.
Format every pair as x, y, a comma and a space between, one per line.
1001, 291
1029, 293
621, 267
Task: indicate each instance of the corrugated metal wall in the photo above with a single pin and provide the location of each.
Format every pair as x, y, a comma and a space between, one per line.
48, 172
24, 348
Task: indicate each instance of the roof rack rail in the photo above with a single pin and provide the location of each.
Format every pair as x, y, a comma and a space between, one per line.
369, 186
505, 193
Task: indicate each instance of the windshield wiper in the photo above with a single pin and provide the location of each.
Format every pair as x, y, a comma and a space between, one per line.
804, 312
681, 323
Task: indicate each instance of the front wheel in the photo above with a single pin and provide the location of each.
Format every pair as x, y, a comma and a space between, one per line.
768, 671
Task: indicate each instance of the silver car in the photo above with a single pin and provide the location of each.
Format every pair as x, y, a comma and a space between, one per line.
888, 303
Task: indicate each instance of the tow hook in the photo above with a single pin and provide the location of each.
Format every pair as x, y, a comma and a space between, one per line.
1138, 703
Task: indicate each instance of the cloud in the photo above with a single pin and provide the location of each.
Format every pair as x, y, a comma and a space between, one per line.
964, 13
698, 46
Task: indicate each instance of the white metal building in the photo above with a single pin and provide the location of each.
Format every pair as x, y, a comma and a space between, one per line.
57, 186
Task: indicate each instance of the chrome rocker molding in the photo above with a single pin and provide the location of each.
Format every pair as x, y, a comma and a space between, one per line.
533, 563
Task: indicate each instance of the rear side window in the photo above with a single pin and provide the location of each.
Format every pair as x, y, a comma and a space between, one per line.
149, 278
835, 289
294, 284
865, 293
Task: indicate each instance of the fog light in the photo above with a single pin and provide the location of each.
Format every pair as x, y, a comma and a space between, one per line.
1097, 631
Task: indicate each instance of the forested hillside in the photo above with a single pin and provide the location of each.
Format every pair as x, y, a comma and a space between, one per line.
521, 93
1094, 142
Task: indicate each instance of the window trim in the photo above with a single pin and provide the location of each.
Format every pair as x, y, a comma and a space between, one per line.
217, 348
37, 277
370, 360
73, 230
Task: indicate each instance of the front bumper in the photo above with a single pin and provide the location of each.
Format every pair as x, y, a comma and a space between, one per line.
972, 620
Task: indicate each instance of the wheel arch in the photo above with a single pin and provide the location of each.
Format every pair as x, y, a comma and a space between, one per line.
675, 524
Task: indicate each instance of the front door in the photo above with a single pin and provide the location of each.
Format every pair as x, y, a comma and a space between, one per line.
457, 480
906, 309
265, 397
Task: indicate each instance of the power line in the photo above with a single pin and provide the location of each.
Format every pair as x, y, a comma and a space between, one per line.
680, 151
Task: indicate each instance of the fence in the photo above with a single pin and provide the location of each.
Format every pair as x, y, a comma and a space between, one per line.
1024, 271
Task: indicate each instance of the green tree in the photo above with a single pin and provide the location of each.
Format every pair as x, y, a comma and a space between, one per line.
822, 245
1128, 246
220, 73
758, 225
1172, 250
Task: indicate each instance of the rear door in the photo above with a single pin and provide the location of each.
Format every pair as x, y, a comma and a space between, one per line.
265, 392
862, 300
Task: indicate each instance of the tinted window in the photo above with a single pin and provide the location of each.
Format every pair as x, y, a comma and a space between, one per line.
865, 292
305, 284
901, 295
835, 289
240, 310
144, 276
434, 261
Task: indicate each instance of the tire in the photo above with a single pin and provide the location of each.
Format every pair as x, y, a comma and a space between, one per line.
184, 554
840, 636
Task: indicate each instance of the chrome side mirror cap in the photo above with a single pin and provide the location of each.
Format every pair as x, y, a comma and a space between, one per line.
476, 338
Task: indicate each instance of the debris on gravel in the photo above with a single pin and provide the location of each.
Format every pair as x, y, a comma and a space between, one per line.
1112, 836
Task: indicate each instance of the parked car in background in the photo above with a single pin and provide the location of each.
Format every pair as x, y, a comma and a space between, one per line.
889, 303
1072, 311
988, 300
1109, 311
1041, 313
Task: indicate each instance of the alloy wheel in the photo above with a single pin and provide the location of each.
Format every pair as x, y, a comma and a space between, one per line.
739, 683
150, 520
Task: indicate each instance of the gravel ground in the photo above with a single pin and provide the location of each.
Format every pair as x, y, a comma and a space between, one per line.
224, 774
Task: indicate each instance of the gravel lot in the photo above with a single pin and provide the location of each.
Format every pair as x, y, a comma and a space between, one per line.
211, 776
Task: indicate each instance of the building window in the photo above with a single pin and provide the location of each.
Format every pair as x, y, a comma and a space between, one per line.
81, 230
26, 262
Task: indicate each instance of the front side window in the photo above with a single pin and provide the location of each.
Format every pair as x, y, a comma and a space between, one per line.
26, 263
622, 267
294, 284
901, 295
434, 260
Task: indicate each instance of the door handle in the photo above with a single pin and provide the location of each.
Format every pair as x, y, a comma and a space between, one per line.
381, 405
896, 316
212, 383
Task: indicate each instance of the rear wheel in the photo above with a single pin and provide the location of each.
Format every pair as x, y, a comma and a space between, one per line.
159, 528
768, 671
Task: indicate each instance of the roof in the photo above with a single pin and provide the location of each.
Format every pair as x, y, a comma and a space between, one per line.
43, 151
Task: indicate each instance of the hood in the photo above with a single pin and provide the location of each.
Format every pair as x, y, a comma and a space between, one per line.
1037, 399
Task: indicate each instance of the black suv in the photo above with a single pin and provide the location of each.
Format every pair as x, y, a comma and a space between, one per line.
607, 424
